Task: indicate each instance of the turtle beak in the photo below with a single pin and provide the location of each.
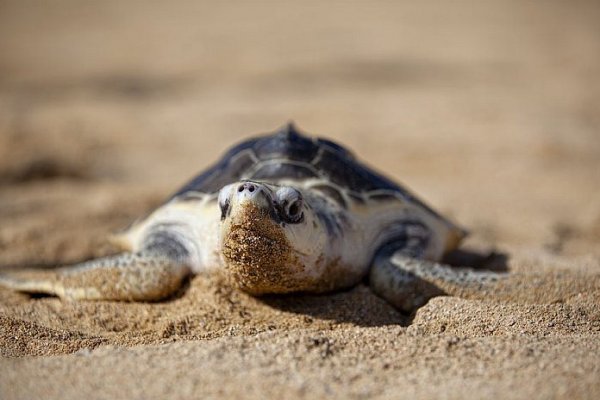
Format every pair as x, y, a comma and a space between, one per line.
250, 193
241, 195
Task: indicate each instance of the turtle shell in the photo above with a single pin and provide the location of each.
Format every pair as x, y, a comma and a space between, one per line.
288, 154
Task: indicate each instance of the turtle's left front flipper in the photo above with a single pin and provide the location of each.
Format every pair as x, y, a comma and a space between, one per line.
408, 283
143, 276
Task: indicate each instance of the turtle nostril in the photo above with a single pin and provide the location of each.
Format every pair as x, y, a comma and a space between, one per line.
246, 186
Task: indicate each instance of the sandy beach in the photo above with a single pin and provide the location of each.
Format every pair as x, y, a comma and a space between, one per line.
488, 110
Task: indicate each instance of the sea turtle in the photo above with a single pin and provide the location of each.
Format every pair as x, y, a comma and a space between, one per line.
279, 213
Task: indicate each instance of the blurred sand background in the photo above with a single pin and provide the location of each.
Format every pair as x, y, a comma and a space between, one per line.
489, 110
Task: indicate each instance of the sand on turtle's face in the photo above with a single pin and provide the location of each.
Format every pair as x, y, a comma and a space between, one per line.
258, 257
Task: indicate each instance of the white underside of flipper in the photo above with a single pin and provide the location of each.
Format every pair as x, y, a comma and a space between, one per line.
197, 221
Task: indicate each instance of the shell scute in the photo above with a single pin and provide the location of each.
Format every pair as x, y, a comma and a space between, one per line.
227, 170
288, 154
287, 144
283, 171
349, 174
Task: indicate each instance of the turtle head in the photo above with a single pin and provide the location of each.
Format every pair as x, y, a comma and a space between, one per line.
271, 239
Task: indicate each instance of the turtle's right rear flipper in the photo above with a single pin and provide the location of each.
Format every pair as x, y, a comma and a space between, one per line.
129, 277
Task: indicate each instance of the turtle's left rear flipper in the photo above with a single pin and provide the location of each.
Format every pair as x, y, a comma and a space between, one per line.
143, 276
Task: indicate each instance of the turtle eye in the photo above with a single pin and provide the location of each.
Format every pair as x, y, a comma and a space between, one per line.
290, 202
224, 201
293, 211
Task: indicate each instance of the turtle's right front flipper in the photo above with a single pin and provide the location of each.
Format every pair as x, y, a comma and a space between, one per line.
143, 276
